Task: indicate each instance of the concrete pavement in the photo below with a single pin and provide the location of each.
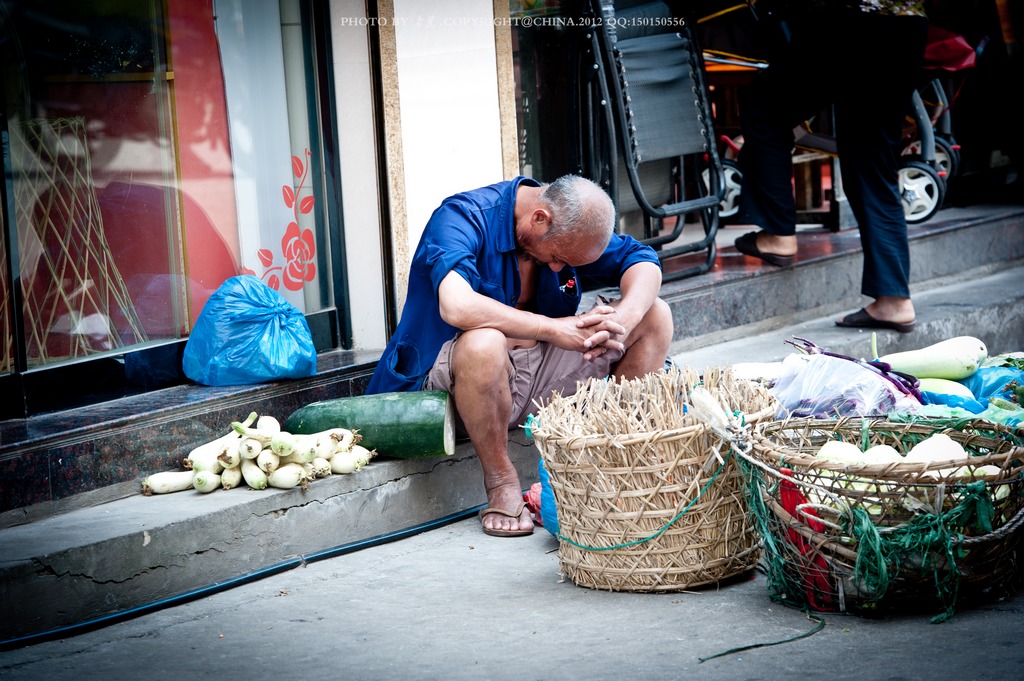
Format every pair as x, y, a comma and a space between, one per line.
453, 604
118, 557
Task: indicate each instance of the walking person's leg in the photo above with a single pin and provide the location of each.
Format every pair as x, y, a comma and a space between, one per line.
869, 123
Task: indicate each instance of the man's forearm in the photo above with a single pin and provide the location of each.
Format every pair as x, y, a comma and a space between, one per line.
465, 309
640, 286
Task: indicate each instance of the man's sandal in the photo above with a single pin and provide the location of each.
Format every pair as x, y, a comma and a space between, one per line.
505, 533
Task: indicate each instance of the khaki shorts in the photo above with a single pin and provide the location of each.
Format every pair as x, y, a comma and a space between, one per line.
535, 374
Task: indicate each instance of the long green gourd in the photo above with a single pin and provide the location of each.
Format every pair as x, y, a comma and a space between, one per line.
404, 425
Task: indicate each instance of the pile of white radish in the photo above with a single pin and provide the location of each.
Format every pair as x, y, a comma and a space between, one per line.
936, 447
259, 454
850, 454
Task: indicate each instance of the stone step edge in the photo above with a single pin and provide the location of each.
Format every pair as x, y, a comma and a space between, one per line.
97, 561
946, 307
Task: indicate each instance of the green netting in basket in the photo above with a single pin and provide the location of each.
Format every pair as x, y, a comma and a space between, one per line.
869, 537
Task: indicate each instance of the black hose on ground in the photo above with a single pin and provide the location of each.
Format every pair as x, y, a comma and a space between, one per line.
145, 609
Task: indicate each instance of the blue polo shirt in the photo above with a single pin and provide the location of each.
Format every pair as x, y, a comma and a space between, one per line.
473, 233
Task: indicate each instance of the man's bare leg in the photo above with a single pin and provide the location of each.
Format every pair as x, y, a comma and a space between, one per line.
480, 367
647, 346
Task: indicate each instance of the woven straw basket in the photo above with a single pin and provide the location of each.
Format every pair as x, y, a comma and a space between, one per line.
648, 498
879, 537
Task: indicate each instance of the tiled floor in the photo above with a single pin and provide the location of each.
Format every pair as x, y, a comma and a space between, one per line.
815, 242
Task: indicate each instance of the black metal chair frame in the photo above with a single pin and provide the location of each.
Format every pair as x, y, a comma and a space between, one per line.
689, 159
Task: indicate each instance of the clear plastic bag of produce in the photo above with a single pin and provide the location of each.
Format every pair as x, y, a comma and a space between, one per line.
248, 333
1010, 415
823, 386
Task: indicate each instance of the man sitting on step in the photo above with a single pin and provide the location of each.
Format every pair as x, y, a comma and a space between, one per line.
491, 315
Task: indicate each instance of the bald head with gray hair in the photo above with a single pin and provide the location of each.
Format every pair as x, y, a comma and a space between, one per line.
581, 211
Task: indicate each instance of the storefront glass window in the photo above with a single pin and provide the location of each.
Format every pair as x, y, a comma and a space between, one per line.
154, 149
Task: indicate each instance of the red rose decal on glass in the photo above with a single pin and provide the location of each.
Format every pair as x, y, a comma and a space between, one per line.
298, 249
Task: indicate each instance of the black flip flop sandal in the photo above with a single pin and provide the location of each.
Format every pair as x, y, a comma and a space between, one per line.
747, 245
861, 319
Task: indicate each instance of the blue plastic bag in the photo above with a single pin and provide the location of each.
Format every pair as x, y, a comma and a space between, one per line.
988, 382
957, 401
248, 333
548, 512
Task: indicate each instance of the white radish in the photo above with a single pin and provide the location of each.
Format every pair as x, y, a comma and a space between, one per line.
883, 454
205, 460
300, 455
321, 467
253, 475
345, 462
288, 476
212, 448
841, 452
343, 438
166, 482
306, 448
268, 424
965, 473
282, 443
333, 440
206, 482
364, 454
231, 477
253, 433
249, 448
936, 447
268, 461
215, 444
325, 445
230, 457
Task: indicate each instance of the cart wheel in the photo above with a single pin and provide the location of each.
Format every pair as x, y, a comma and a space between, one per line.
922, 190
947, 159
732, 178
